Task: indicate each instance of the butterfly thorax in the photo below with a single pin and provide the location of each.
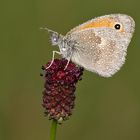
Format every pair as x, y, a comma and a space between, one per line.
66, 47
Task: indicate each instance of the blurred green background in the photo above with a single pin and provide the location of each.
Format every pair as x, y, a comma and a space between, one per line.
106, 109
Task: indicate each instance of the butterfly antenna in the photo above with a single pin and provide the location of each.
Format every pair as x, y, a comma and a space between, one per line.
47, 29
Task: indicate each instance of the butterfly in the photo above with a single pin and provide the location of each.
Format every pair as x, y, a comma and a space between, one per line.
99, 45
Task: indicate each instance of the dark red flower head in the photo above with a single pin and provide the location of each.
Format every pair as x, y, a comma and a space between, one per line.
60, 85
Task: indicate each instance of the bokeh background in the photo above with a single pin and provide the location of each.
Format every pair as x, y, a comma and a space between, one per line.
106, 109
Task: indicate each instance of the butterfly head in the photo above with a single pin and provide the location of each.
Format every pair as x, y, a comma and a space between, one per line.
56, 38
64, 44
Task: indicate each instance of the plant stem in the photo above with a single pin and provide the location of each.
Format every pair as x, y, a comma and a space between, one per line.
53, 130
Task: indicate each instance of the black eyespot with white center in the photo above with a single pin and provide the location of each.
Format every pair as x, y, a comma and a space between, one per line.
117, 26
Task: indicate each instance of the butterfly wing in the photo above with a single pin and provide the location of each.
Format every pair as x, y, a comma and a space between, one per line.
100, 48
97, 54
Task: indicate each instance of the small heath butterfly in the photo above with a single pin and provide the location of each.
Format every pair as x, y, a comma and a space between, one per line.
99, 45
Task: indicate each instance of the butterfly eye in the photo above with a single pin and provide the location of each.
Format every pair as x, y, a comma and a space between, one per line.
55, 39
117, 26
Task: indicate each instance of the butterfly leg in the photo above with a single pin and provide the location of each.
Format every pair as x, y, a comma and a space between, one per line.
53, 59
68, 61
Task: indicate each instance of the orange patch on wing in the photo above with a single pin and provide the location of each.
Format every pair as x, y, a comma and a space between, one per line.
107, 22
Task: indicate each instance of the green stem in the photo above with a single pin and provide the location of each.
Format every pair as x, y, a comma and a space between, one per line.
53, 130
